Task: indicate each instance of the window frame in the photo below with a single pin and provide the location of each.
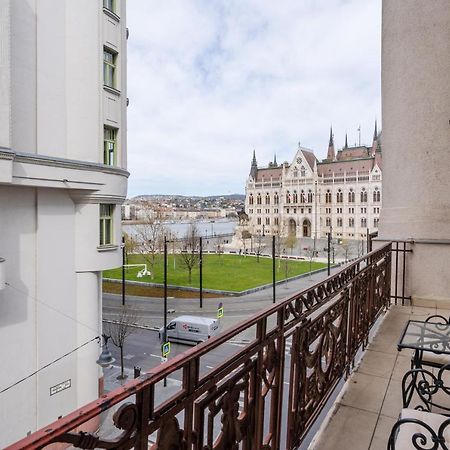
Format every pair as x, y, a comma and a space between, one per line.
110, 65
106, 222
110, 141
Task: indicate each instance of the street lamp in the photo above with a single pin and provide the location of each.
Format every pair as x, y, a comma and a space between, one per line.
123, 270
105, 359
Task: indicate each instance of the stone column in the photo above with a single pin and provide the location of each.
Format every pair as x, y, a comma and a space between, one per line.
416, 141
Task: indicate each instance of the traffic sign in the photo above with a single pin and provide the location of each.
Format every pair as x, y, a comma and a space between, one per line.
220, 312
165, 349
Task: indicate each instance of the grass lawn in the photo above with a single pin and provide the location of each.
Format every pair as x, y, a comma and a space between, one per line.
225, 272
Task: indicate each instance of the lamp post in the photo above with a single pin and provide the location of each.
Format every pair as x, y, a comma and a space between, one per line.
165, 297
201, 272
123, 270
105, 359
273, 268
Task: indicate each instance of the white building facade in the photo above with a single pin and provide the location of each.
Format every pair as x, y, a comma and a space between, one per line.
62, 179
310, 198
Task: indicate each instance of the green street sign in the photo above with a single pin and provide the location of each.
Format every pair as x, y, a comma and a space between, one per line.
220, 312
165, 349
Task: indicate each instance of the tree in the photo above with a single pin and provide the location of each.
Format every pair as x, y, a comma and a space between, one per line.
119, 332
131, 246
190, 250
150, 235
290, 241
245, 234
259, 245
345, 249
286, 268
310, 253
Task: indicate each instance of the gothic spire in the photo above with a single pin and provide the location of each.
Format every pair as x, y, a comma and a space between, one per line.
254, 166
375, 139
346, 143
375, 133
331, 155
275, 164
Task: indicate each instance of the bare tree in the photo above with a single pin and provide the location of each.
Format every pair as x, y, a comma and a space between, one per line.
259, 245
245, 235
310, 253
290, 241
120, 330
150, 235
131, 246
345, 249
286, 268
190, 250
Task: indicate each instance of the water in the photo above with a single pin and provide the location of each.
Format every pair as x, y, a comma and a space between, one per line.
206, 228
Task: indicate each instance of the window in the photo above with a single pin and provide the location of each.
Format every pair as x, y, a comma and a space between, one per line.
302, 171
328, 222
258, 199
310, 197
375, 223
309, 210
259, 221
339, 222
351, 222
376, 195
250, 199
295, 197
106, 224
267, 221
339, 196
109, 146
267, 199
328, 196
109, 67
363, 196
276, 199
302, 196
351, 196
364, 222
288, 197
276, 220
109, 4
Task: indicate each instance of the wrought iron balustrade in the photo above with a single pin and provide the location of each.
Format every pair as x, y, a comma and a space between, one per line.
246, 401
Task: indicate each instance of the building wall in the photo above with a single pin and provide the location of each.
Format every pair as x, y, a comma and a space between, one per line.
416, 136
53, 108
316, 211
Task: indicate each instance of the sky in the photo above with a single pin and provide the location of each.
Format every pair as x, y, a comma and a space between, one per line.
209, 81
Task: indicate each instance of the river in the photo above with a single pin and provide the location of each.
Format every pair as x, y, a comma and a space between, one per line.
206, 228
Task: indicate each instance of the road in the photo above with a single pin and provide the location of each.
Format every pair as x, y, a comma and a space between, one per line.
143, 348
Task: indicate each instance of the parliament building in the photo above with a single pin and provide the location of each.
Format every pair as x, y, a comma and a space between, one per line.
310, 198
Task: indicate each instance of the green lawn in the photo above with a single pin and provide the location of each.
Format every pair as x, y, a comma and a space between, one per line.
225, 272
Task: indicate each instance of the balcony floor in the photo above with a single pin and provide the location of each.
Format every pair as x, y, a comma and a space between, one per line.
370, 402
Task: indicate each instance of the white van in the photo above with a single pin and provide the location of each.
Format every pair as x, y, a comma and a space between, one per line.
190, 329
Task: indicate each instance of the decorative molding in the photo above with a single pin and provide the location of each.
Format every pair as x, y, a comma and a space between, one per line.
28, 158
111, 90
111, 14
107, 248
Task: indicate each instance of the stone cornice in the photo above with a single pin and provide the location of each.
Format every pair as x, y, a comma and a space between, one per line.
29, 158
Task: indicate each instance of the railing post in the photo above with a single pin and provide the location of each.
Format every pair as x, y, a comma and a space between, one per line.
143, 400
261, 328
190, 380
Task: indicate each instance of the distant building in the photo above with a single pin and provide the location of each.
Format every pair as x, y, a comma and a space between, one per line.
62, 179
308, 197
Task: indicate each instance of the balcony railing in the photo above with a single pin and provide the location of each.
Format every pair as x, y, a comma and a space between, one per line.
261, 397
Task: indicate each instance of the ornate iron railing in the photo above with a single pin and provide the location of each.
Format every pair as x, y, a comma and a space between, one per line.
259, 398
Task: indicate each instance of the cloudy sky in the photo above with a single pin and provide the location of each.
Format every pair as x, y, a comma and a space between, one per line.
211, 80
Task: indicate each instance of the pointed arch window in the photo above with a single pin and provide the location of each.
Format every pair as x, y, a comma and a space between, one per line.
267, 199
302, 196
258, 199
376, 195
276, 199
351, 196
303, 171
288, 197
295, 197
363, 196
339, 196
250, 199
328, 196
310, 196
